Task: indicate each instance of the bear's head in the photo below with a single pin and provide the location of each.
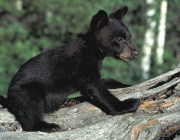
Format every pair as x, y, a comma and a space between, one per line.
112, 36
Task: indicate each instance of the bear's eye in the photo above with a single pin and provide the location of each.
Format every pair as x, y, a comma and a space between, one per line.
119, 39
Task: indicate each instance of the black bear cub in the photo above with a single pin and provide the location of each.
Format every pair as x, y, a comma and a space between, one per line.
43, 83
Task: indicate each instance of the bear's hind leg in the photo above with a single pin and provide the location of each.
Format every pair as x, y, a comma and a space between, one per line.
32, 119
36, 122
29, 111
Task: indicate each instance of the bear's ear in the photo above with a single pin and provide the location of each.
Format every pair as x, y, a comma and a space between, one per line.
99, 20
119, 14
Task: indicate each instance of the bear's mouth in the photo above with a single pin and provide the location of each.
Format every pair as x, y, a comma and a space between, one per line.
125, 58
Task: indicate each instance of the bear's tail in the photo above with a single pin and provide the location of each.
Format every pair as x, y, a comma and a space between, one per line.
3, 102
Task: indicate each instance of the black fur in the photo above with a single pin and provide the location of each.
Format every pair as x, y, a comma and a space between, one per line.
43, 83
3, 102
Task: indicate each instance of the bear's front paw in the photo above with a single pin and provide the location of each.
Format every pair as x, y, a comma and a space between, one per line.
129, 105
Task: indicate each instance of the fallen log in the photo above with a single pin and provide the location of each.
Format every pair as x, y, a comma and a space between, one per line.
158, 116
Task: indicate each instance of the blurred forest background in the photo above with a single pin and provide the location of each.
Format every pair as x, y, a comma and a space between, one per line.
29, 27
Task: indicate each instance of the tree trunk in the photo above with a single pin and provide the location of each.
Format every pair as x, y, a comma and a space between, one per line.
148, 40
161, 32
158, 116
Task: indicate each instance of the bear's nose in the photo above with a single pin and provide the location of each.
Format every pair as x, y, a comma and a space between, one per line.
136, 53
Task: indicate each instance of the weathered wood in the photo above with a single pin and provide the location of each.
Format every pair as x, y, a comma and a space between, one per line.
157, 117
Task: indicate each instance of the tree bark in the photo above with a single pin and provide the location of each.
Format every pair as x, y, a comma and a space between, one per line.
158, 116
